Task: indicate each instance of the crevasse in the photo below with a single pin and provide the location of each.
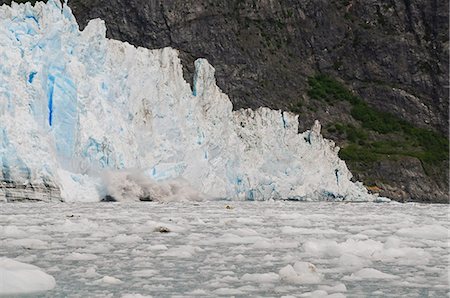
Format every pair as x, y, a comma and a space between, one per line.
74, 104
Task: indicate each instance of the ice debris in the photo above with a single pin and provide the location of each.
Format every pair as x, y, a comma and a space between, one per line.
20, 278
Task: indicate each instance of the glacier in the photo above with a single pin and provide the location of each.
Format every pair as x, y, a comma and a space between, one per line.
76, 106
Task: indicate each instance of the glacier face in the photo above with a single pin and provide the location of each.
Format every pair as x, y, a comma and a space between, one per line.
74, 104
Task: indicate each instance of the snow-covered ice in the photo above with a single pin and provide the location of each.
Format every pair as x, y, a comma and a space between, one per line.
221, 248
20, 278
83, 117
369, 273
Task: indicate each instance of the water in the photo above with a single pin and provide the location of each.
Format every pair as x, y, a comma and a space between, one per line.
205, 249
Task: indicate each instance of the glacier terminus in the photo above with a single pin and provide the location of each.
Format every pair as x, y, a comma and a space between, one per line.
84, 117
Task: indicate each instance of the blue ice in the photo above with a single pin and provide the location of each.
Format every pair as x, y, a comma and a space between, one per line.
31, 76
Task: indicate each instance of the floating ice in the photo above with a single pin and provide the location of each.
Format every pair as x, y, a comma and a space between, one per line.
20, 278
261, 277
301, 273
334, 289
432, 232
212, 250
369, 273
109, 280
135, 296
74, 104
80, 257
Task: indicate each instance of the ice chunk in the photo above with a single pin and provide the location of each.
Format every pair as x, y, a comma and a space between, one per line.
322, 248
432, 232
80, 257
261, 277
145, 273
350, 261
20, 278
184, 251
315, 294
28, 243
228, 292
339, 288
369, 273
127, 239
90, 273
136, 296
109, 280
12, 232
301, 273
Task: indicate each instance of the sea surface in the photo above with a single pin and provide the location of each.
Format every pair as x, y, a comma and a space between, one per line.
228, 248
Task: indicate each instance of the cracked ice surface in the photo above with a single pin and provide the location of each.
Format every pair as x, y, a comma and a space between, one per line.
268, 249
74, 104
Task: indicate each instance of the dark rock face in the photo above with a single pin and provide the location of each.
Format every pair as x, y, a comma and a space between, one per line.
393, 53
405, 180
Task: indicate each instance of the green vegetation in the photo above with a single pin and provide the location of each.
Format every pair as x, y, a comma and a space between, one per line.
381, 135
289, 13
297, 107
352, 133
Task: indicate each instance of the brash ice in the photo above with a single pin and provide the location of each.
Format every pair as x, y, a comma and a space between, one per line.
75, 105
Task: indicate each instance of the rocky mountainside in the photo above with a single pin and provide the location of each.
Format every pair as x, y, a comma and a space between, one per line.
375, 73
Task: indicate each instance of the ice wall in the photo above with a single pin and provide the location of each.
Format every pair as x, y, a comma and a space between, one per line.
74, 104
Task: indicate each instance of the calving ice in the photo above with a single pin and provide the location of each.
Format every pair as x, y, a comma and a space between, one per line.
76, 107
